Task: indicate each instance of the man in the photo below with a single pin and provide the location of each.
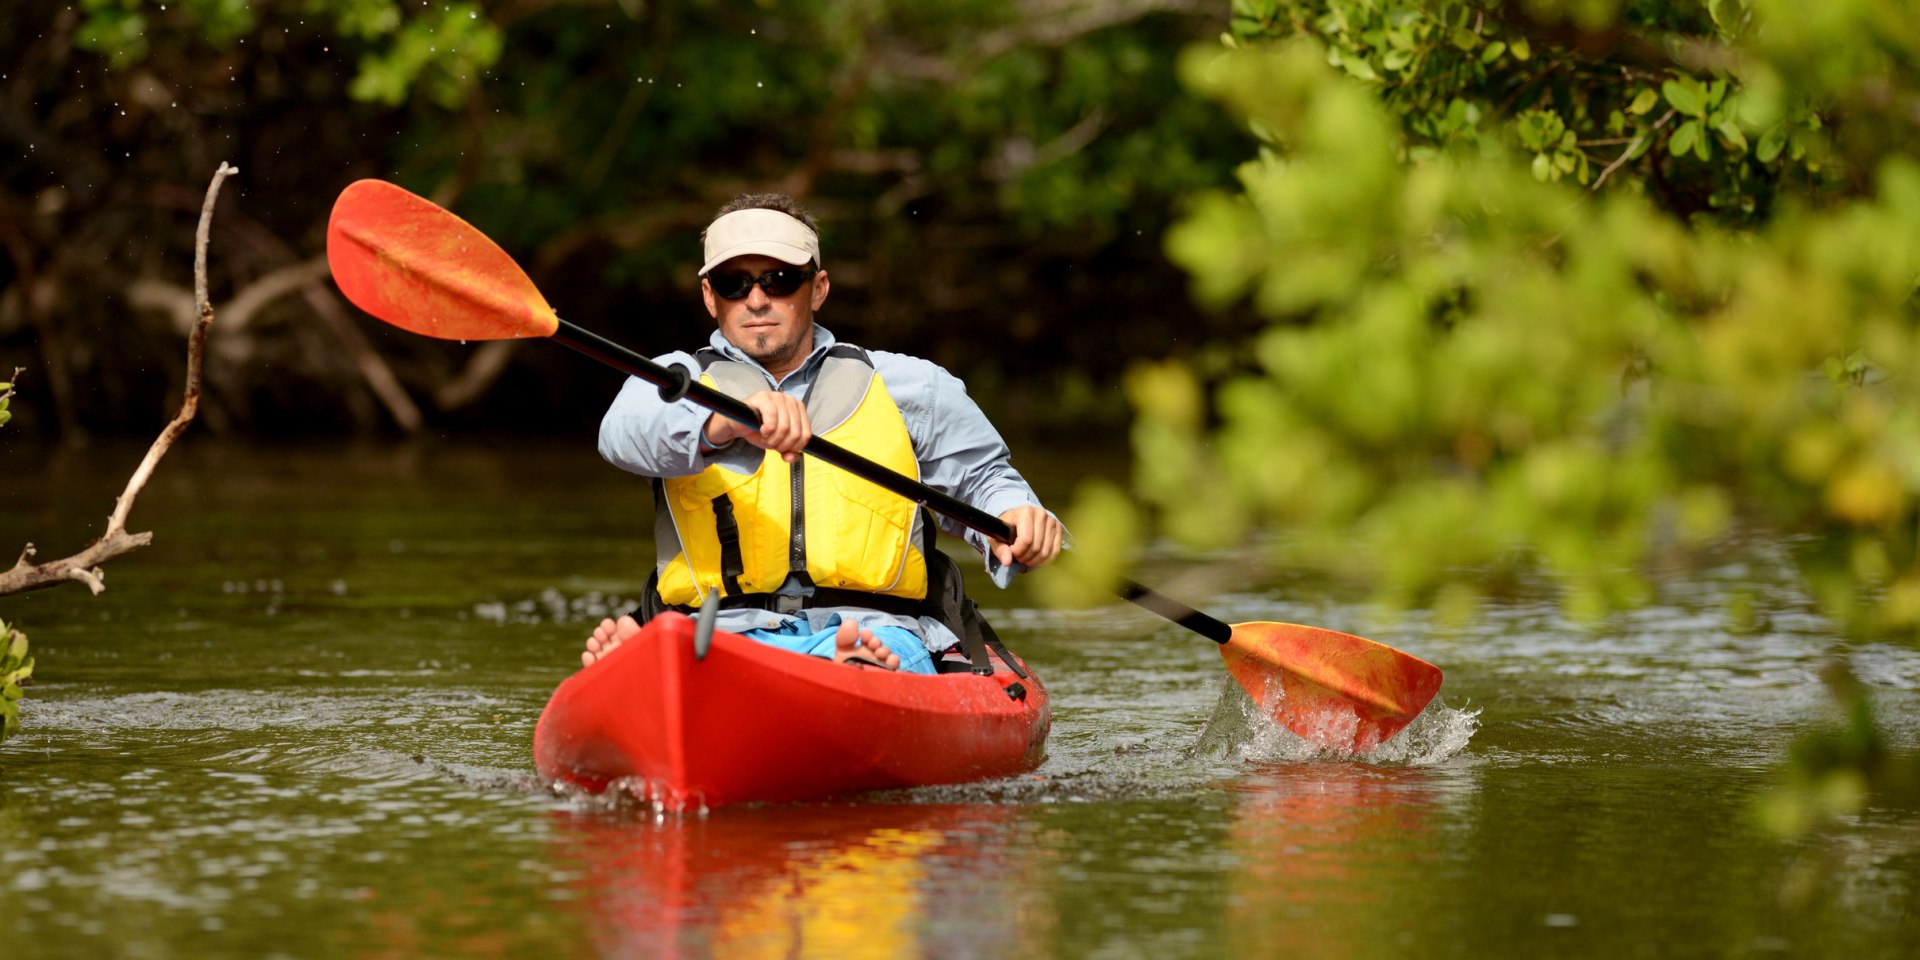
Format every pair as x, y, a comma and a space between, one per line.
741, 513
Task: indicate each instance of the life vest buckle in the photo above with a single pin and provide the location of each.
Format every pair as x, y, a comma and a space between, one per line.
791, 606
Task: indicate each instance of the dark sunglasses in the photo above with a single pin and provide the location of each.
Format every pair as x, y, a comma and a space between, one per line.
777, 283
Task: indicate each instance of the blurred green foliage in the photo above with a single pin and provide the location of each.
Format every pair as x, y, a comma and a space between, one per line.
1832, 768
15, 666
1481, 356
436, 52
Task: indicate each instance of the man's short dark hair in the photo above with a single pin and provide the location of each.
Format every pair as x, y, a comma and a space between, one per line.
771, 201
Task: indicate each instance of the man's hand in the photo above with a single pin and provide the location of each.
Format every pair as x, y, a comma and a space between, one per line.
783, 425
1036, 537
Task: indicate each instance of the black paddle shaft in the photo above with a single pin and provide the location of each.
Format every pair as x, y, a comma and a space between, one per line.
676, 384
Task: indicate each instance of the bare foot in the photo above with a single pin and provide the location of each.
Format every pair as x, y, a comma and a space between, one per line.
854, 643
605, 637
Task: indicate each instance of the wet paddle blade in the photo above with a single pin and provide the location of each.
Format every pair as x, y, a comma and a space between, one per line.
1336, 690
415, 265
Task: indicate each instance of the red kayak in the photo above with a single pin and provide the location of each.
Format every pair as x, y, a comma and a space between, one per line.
754, 723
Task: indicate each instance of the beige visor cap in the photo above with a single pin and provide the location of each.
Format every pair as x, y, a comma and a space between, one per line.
766, 232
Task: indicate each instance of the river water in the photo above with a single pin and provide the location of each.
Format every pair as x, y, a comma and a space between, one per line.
299, 725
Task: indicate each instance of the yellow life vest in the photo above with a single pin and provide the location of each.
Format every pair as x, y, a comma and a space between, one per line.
742, 532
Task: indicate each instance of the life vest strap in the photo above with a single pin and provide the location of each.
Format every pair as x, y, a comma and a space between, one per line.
822, 597
731, 564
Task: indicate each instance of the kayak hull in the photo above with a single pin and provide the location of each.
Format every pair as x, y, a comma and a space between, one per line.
751, 722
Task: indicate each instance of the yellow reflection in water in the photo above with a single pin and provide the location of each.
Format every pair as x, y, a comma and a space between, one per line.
859, 880
863, 900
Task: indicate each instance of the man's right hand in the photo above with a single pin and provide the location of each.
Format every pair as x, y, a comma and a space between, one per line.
783, 425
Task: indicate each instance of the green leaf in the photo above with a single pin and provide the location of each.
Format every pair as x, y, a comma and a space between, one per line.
1492, 52
1686, 96
1684, 137
1542, 167
1726, 14
1521, 51
1771, 143
1465, 39
1643, 101
1731, 135
1358, 67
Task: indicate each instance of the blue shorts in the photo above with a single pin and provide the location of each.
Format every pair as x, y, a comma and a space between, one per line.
797, 637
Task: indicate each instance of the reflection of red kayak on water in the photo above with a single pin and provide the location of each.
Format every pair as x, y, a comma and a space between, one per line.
811, 880
750, 722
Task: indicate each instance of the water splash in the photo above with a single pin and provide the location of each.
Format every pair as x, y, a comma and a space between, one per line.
553, 606
1239, 730
629, 795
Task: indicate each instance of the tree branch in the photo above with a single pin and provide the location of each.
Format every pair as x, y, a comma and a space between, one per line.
182, 307
84, 566
1052, 23
379, 376
1631, 147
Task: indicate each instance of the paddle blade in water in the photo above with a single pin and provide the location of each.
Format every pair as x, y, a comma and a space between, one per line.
409, 262
1336, 690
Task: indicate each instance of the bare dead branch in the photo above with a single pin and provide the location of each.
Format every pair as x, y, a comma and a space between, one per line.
1628, 152
484, 366
1018, 154
1048, 23
176, 302
84, 566
374, 370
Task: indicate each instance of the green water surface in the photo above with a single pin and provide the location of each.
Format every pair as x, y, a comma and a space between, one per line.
299, 725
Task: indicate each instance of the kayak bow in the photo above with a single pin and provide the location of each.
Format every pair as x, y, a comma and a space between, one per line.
754, 723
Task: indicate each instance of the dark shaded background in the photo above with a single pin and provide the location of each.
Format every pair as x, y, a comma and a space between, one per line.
993, 181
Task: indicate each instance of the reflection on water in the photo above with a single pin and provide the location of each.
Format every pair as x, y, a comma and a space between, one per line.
1320, 847
873, 880
299, 724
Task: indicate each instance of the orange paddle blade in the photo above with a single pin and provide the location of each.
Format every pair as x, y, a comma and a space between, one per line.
413, 264
1336, 690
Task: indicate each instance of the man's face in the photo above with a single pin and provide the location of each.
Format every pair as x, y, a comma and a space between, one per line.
776, 331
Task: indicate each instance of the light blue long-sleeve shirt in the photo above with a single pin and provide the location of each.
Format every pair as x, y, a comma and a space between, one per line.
959, 453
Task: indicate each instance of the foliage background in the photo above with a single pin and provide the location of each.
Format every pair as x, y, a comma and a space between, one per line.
1546, 286
1000, 168
1574, 288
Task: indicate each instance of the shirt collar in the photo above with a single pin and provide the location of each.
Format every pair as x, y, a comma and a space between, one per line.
823, 340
